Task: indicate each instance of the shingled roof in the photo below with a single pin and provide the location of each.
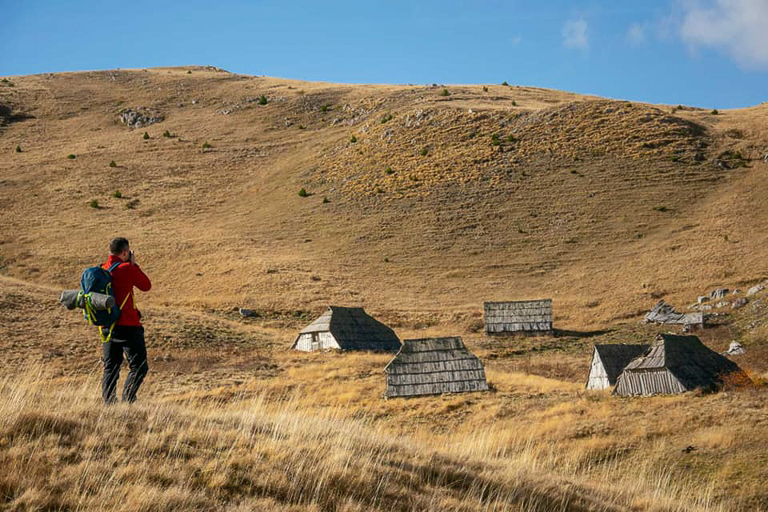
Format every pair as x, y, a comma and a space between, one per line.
433, 366
525, 316
353, 329
674, 364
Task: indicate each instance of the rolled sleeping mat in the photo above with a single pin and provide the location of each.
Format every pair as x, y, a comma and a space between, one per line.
100, 301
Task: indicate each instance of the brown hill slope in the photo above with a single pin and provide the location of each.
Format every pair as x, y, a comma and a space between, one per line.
440, 202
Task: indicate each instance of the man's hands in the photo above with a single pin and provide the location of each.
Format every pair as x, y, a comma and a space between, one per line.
132, 258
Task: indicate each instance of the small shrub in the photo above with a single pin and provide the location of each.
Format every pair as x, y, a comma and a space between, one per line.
389, 170
112, 164
303, 192
445, 92
386, 260
94, 204
661, 209
18, 149
674, 158
485, 89
386, 118
715, 112
133, 203
574, 171
117, 194
424, 152
353, 139
514, 103
511, 138
146, 136
167, 134
302, 127
495, 139
263, 100
71, 157
189, 72
378, 190
326, 200
504, 83
326, 107
206, 145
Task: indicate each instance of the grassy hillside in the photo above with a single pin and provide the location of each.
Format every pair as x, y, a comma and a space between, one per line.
521, 192
422, 201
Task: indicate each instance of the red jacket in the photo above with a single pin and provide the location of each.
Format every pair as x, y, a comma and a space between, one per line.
124, 278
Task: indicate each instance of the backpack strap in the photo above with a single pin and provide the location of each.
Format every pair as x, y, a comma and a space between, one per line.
114, 266
105, 339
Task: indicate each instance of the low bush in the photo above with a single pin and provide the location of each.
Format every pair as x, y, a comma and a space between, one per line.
445, 92
117, 194
146, 136
303, 192
71, 157
94, 204
263, 100
112, 164
353, 139
18, 149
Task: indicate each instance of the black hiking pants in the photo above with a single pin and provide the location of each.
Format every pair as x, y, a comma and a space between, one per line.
129, 340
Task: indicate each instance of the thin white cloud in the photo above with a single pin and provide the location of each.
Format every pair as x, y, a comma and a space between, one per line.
575, 34
738, 27
636, 34
515, 40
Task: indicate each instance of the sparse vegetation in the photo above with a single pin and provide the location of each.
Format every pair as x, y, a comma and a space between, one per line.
71, 156
715, 112
167, 134
303, 193
18, 149
445, 92
511, 138
485, 88
112, 164
387, 118
514, 103
353, 139
327, 107
424, 152
263, 100
206, 145
504, 83
378, 190
389, 170
94, 204
146, 136
326, 200
495, 139
117, 194
660, 209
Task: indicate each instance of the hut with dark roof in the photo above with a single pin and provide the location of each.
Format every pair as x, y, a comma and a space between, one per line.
674, 364
608, 361
347, 329
433, 366
523, 317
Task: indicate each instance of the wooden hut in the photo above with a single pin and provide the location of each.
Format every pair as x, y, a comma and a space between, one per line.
608, 361
663, 313
525, 317
433, 366
674, 364
347, 329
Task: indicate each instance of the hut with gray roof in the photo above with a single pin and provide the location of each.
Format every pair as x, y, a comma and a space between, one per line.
608, 361
347, 329
519, 317
674, 364
433, 366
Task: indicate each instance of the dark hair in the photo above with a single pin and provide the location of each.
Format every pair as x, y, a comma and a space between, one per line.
118, 245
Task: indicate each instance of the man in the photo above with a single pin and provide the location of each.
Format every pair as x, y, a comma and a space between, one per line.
128, 334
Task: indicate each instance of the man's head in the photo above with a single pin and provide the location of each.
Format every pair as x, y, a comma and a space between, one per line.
120, 248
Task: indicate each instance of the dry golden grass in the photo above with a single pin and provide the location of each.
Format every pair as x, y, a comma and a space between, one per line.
229, 418
62, 450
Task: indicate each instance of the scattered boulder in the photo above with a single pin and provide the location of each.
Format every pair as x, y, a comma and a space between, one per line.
663, 313
245, 312
140, 117
702, 299
719, 293
755, 289
739, 303
736, 291
735, 349
722, 304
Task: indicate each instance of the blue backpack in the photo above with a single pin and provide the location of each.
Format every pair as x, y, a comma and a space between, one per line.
99, 280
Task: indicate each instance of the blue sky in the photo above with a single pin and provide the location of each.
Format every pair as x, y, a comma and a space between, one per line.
709, 53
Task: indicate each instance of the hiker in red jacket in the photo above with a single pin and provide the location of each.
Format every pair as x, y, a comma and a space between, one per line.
128, 334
